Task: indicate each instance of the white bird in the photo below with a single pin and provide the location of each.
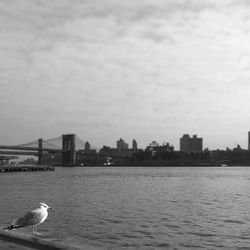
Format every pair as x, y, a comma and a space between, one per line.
31, 218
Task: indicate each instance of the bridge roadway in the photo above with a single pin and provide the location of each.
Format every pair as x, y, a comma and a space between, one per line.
23, 153
30, 148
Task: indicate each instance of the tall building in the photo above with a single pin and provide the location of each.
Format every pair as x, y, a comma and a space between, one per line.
190, 144
249, 140
134, 144
121, 145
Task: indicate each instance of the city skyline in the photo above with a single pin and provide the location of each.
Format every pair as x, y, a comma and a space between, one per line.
178, 146
149, 70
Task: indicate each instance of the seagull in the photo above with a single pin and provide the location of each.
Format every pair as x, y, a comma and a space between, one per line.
31, 218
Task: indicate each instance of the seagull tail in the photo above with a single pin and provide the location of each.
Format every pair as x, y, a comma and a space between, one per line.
12, 226
8, 228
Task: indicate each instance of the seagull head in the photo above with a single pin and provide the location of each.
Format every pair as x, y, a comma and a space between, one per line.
45, 206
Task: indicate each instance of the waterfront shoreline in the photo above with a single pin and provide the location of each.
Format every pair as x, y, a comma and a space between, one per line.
26, 168
158, 165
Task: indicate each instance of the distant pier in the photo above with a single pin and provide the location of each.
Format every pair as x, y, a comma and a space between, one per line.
26, 168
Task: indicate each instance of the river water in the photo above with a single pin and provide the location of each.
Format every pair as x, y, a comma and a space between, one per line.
134, 208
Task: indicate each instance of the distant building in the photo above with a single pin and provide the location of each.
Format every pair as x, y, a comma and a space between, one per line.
152, 146
105, 150
248, 140
238, 148
87, 147
116, 153
87, 150
190, 144
166, 147
121, 145
155, 147
134, 144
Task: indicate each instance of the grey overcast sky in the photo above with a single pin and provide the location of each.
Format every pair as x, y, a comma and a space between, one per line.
144, 69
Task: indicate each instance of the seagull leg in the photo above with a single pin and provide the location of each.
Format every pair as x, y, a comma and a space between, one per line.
34, 229
37, 231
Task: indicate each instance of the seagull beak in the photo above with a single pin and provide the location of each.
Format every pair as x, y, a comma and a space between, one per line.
51, 208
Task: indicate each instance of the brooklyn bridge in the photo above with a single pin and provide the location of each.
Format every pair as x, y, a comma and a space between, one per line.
64, 147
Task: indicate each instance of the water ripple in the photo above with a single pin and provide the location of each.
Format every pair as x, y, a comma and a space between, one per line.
136, 208
234, 221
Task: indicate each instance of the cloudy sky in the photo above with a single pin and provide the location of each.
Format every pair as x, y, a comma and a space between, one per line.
145, 69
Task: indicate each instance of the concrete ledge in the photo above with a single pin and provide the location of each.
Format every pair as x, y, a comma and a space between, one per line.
33, 241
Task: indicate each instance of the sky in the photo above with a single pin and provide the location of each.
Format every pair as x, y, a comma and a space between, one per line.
109, 69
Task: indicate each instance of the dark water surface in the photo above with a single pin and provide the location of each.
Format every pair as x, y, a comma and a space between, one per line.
135, 208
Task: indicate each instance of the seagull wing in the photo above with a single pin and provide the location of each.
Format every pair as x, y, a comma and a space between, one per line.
31, 218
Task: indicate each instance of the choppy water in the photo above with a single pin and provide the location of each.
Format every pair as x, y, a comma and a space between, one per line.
135, 208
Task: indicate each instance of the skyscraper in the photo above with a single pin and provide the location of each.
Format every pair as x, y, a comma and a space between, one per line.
188, 144
248, 140
121, 144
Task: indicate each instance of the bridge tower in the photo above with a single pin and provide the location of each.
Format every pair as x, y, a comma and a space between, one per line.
40, 151
68, 150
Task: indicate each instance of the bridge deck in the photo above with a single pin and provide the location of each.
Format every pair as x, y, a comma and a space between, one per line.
29, 148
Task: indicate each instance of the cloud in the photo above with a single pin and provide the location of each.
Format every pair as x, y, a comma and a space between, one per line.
136, 66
